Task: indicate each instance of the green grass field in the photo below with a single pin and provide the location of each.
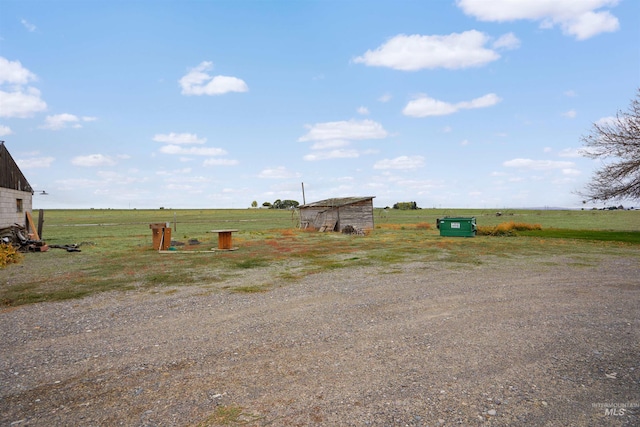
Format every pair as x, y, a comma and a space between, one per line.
117, 252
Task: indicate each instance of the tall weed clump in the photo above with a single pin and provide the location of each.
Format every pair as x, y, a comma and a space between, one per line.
507, 229
9, 255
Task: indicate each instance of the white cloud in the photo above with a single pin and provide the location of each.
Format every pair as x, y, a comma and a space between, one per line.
578, 18
184, 178
537, 164
29, 26
589, 151
278, 173
15, 99
571, 114
198, 82
402, 162
21, 103
385, 98
76, 183
59, 121
5, 130
179, 138
173, 172
192, 151
328, 144
179, 187
607, 121
93, 160
220, 162
349, 130
570, 152
487, 100
424, 106
590, 24
35, 162
417, 52
14, 73
507, 41
112, 177
330, 138
570, 93
363, 111
331, 154
571, 172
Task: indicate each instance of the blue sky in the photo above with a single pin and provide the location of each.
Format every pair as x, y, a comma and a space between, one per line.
216, 104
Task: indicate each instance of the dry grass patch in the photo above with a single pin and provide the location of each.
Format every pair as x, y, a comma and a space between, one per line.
424, 226
9, 255
507, 228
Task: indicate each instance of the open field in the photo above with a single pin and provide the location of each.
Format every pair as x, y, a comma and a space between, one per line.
398, 327
117, 250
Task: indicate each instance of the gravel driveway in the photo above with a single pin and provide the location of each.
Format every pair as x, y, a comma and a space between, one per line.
516, 342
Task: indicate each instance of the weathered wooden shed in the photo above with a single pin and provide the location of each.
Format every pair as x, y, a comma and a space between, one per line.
336, 214
16, 195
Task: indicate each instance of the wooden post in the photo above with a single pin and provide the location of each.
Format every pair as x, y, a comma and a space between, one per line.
40, 221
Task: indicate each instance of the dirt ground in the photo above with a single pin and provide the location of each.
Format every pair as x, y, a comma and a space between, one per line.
550, 342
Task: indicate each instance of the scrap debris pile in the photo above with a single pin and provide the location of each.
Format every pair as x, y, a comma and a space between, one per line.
19, 237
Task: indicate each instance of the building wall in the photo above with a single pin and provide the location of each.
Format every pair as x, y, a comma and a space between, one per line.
315, 217
358, 215
9, 213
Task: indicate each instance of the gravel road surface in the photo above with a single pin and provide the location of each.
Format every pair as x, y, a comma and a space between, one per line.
544, 342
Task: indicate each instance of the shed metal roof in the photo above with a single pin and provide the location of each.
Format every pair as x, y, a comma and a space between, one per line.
336, 202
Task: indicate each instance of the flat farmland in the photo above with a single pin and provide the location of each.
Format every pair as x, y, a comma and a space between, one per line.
397, 327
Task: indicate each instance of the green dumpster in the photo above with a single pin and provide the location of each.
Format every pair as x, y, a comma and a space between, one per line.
457, 226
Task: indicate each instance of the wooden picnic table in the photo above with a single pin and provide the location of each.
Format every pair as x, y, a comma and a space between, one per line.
224, 239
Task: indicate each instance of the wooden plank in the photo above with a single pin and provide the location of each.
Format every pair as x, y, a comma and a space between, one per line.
32, 226
40, 222
328, 226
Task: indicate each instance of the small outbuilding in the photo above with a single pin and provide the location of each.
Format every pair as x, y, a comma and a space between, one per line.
336, 214
16, 195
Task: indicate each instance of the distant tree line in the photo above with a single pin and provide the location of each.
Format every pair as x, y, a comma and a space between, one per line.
278, 204
406, 206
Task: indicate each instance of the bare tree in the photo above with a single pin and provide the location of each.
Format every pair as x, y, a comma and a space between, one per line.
616, 142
